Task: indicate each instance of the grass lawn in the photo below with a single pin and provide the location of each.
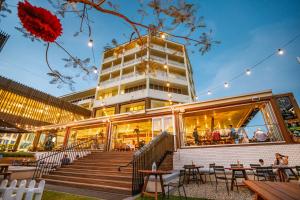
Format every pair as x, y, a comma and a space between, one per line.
171, 198
51, 195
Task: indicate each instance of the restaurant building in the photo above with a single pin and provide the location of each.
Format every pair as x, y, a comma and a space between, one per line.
23, 109
250, 119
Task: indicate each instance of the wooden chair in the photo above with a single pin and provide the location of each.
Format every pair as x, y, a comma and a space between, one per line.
178, 185
220, 174
298, 170
268, 173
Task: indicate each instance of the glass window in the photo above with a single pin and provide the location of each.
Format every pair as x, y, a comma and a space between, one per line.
232, 125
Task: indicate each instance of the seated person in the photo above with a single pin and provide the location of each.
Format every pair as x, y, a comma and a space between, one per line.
260, 136
261, 162
196, 136
65, 160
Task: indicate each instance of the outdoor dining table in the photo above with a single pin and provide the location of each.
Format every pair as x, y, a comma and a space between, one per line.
156, 173
241, 169
281, 172
267, 190
194, 169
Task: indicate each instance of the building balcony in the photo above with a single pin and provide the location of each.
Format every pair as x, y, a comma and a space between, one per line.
127, 78
140, 94
170, 62
173, 78
134, 61
157, 94
133, 50
84, 101
166, 50
109, 59
110, 69
109, 83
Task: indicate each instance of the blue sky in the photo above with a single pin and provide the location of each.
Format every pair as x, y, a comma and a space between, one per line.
248, 31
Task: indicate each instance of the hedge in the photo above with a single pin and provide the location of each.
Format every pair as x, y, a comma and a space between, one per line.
16, 154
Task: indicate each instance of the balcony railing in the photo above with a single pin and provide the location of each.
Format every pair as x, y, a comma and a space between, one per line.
109, 59
174, 63
110, 69
134, 61
165, 49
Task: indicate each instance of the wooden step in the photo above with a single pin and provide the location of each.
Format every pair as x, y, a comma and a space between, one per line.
113, 176
124, 184
70, 169
103, 168
105, 188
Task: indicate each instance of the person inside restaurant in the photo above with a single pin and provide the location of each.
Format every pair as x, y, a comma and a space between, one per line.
260, 136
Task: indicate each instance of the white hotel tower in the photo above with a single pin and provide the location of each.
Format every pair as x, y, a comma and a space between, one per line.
135, 77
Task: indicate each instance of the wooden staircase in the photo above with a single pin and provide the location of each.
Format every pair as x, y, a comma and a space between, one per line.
96, 171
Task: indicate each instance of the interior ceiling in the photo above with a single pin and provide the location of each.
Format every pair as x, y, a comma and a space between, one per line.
223, 117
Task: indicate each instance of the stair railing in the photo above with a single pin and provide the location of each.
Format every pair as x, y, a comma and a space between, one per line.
52, 160
155, 151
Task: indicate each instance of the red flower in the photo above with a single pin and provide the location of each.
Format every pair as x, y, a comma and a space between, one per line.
39, 21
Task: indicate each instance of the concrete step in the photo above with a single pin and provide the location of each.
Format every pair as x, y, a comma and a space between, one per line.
105, 188
107, 182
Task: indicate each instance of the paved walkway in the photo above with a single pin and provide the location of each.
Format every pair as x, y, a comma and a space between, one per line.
209, 191
85, 192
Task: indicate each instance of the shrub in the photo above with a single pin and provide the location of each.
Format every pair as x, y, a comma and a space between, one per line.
16, 154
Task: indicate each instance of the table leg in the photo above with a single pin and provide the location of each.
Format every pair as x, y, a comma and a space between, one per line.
245, 175
189, 176
232, 179
201, 180
145, 185
156, 187
162, 185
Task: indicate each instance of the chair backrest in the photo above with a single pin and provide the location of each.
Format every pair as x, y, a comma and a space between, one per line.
298, 169
212, 165
219, 172
255, 165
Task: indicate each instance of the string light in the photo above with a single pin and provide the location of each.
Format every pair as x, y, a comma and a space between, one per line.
163, 36
95, 71
226, 85
90, 43
165, 66
208, 92
280, 52
248, 72
196, 97
168, 84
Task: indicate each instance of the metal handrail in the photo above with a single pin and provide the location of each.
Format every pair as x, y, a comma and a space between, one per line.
155, 151
52, 160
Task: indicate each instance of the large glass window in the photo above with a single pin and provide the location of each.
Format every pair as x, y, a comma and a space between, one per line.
248, 123
105, 112
85, 134
133, 107
26, 142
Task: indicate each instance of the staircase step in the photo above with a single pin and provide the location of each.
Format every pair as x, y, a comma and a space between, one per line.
91, 171
115, 176
124, 184
105, 188
109, 168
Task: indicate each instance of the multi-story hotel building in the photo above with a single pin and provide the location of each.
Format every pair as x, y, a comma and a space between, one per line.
147, 73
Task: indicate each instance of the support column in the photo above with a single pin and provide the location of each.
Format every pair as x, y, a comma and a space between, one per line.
36, 140
68, 131
109, 138
17, 142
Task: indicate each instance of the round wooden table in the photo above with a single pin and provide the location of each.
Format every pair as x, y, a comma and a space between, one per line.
156, 173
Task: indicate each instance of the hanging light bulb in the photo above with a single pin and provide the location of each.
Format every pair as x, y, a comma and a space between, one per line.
90, 43
280, 52
168, 84
226, 85
95, 71
208, 92
196, 97
248, 72
163, 36
165, 66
